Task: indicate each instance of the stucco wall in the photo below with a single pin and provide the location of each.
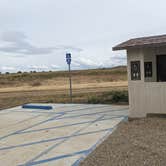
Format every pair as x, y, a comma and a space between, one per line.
134, 107
146, 95
135, 55
150, 56
147, 98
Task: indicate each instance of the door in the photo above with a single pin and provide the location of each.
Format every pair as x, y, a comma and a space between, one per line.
161, 68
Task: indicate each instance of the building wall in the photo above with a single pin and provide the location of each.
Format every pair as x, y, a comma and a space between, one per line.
135, 55
147, 98
146, 95
134, 106
150, 56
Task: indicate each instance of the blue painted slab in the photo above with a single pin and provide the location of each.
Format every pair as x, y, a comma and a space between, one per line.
30, 106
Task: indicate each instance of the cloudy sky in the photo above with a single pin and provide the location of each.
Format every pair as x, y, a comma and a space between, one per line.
36, 34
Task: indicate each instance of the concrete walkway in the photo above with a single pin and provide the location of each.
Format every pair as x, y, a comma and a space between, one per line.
59, 137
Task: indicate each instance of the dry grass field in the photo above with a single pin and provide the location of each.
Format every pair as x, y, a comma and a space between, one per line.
89, 86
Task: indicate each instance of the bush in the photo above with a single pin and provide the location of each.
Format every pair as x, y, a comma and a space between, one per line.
109, 98
119, 96
36, 83
93, 100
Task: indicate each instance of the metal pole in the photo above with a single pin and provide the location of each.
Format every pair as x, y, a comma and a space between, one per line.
70, 84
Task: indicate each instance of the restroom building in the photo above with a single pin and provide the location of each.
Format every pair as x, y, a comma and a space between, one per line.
146, 65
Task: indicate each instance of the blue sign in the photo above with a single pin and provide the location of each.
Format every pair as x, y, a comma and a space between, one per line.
68, 58
68, 61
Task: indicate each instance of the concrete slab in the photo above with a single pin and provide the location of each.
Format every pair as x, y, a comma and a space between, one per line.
62, 136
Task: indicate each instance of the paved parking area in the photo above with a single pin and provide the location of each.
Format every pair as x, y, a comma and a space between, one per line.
62, 136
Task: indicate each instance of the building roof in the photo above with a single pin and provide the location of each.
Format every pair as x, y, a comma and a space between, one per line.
151, 41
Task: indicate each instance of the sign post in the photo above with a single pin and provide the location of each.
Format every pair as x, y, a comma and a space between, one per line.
68, 60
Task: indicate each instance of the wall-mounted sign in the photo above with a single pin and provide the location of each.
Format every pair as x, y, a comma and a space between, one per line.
148, 69
135, 70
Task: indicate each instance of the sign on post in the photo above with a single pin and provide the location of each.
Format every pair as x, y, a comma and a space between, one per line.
68, 60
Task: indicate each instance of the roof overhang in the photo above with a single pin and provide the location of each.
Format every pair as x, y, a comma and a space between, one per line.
144, 42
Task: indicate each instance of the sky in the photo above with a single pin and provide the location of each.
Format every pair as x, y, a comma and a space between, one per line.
36, 34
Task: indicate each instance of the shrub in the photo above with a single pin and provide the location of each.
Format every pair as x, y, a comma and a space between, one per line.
36, 83
119, 96
109, 98
94, 100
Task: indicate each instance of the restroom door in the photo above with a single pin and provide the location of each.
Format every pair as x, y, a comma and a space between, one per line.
161, 68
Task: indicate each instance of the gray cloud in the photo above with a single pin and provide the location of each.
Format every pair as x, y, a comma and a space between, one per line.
8, 68
86, 63
70, 48
65, 24
43, 67
17, 43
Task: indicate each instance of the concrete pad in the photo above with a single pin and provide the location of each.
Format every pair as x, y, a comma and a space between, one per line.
61, 136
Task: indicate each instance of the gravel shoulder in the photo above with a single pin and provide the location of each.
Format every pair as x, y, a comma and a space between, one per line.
139, 142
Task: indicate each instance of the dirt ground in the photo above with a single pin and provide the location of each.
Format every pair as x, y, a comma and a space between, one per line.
135, 143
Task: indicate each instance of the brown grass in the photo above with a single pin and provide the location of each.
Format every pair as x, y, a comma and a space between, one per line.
17, 89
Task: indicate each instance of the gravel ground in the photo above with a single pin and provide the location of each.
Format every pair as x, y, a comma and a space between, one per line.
135, 143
